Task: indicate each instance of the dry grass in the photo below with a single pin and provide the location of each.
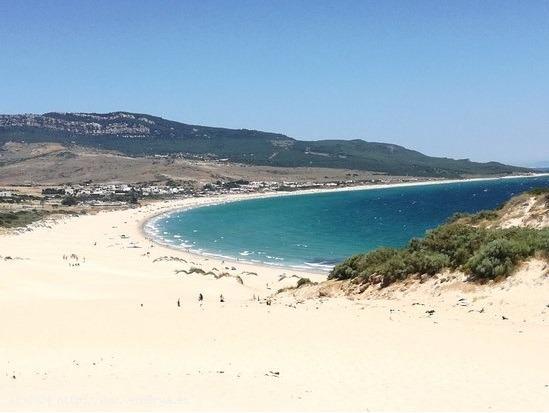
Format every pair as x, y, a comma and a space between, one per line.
53, 164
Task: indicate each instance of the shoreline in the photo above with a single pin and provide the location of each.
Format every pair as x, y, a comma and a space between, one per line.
95, 316
231, 198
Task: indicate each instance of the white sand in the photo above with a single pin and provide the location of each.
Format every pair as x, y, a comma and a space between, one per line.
77, 337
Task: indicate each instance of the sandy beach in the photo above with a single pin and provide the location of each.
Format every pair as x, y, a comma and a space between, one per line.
96, 316
257, 206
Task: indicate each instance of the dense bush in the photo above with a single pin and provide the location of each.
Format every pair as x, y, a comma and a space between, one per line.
484, 253
473, 219
539, 191
69, 201
495, 259
13, 219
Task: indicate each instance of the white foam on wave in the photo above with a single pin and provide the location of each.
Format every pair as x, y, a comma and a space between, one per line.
321, 267
152, 230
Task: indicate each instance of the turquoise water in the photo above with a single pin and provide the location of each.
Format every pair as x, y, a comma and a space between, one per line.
322, 229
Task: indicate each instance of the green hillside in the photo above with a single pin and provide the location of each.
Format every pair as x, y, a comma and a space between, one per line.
139, 134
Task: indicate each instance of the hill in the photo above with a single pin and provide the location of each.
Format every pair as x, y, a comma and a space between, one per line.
56, 164
144, 135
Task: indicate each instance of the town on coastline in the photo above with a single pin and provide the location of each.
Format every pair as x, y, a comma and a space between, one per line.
124, 194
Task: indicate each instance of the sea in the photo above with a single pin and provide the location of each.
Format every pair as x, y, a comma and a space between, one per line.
318, 230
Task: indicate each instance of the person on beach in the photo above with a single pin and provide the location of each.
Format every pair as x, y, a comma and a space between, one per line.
178, 303
221, 299
200, 297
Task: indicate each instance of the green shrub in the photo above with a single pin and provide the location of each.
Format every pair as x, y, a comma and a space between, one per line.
69, 201
429, 262
539, 191
457, 216
483, 216
495, 259
485, 253
303, 281
14, 219
363, 265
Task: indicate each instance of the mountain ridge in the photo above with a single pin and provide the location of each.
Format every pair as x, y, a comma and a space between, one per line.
138, 134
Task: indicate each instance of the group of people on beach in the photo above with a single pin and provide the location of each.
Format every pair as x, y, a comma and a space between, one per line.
201, 298
74, 259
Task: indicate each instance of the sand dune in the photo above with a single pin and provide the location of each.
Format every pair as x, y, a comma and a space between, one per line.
101, 329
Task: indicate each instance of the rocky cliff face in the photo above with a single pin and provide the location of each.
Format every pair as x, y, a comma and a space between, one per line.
123, 124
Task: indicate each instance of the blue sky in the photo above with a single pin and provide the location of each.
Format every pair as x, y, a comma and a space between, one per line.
461, 79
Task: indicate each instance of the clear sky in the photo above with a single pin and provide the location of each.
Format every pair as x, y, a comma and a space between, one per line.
455, 78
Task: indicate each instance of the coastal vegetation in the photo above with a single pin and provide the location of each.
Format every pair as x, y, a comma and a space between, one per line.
69, 201
303, 281
197, 270
472, 243
193, 270
14, 219
21, 218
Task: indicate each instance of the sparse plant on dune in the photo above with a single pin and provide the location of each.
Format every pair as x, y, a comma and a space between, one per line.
303, 281
192, 270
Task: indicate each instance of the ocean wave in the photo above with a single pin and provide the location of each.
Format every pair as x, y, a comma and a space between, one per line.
153, 229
